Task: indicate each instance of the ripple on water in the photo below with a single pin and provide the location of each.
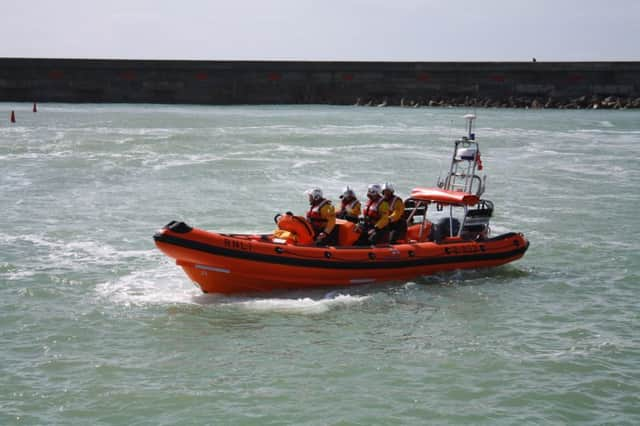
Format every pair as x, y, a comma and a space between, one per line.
96, 323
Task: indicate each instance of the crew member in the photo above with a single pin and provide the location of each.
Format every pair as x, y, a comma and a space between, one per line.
322, 217
397, 224
375, 216
350, 206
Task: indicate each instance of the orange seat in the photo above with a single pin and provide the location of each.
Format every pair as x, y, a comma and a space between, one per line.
413, 232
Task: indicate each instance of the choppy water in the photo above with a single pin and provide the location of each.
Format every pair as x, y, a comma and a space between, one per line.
97, 327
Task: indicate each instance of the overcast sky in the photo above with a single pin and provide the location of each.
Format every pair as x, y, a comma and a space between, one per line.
396, 30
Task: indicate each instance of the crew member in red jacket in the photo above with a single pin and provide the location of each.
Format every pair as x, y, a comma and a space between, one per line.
322, 217
375, 216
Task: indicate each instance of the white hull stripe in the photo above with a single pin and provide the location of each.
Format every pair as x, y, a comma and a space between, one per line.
211, 268
362, 280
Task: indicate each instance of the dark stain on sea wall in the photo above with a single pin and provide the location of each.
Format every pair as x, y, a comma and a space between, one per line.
410, 84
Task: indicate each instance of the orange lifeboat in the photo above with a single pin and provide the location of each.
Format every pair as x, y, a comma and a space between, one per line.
231, 263
288, 259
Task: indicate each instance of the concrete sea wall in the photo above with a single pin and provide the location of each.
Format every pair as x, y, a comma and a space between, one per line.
509, 84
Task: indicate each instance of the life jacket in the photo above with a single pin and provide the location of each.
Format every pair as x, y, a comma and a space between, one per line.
315, 218
372, 211
346, 208
392, 207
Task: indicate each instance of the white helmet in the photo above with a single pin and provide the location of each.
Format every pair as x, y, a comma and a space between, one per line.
347, 192
374, 189
315, 193
388, 187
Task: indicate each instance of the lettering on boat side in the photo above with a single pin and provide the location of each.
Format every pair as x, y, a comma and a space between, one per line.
237, 245
463, 250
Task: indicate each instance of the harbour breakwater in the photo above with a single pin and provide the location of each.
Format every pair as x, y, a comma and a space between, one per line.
411, 84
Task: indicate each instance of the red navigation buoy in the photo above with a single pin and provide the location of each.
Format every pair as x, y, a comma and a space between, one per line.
35, 108
13, 116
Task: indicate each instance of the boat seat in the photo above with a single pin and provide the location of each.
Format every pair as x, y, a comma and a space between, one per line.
476, 223
347, 235
413, 232
445, 228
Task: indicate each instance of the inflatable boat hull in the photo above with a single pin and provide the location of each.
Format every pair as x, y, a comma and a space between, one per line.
224, 263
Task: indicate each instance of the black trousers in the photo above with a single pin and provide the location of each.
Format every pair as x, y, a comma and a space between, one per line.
377, 237
397, 231
331, 239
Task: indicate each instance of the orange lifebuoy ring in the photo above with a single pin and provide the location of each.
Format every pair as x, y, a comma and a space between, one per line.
297, 225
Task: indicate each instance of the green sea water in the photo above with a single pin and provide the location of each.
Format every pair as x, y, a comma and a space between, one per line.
98, 327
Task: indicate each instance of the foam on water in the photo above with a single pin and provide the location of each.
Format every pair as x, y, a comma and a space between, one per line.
302, 305
161, 285
167, 285
64, 253
169, 161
